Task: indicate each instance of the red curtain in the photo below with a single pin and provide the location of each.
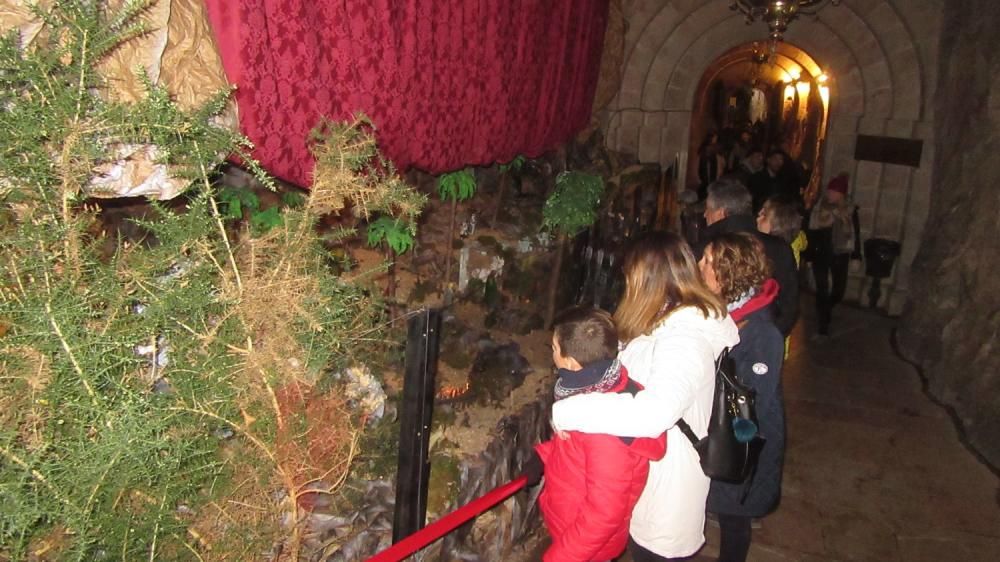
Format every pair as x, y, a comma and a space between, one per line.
448, 83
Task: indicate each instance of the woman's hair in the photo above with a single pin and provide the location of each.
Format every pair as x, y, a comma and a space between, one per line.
786, 222
586, 334
739, 263
661, 276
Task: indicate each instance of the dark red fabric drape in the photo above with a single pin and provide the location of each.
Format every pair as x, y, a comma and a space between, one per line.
448, 83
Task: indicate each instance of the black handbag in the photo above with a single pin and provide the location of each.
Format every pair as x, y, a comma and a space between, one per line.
730, 451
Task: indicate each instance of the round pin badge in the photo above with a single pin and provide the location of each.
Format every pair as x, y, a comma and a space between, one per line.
760, 368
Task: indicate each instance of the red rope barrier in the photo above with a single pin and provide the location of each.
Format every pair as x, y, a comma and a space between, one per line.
448, 523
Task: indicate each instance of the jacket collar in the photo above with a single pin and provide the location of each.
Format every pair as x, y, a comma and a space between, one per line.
732, 223
764, 297
599, 376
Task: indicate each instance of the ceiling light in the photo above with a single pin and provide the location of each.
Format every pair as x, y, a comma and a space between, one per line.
778, 13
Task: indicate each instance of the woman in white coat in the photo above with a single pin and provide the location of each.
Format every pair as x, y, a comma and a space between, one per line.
672, 328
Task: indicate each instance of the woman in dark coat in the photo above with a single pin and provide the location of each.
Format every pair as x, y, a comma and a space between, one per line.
734, 267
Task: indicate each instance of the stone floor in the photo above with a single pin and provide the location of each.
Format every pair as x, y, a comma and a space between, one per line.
875, 470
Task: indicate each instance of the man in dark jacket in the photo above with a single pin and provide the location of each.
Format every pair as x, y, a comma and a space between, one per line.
728, 209
778, 178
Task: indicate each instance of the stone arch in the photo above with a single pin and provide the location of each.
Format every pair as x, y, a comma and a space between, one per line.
788, 64
834, 53
784, 59
681, 89
672, 44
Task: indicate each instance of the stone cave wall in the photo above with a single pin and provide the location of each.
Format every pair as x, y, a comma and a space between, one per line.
951, 323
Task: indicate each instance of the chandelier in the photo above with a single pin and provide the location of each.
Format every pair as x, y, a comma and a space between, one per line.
778, 13
758, 58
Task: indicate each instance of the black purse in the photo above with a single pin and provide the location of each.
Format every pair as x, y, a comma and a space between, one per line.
730, 451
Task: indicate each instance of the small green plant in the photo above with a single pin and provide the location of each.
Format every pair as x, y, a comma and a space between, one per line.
236, 201
571, 208
396, 234
514, 165
243, 204
240, 204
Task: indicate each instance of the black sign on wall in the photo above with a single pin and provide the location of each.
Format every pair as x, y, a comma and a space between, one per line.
889, 150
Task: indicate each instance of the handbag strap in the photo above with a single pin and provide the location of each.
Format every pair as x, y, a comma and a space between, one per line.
683, 425
687, 431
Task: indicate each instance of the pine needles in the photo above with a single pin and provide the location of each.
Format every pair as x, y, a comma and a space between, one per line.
153, 403
350, 170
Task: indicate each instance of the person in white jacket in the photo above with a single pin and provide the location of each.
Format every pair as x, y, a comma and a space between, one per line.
672, 328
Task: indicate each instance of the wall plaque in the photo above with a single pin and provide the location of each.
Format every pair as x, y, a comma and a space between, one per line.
889, 150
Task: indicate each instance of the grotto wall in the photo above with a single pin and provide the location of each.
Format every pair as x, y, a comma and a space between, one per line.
952, 318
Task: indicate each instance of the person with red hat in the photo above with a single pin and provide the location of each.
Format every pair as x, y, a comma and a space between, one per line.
832, 239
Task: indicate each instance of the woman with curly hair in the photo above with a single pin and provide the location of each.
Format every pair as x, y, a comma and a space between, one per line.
735, 268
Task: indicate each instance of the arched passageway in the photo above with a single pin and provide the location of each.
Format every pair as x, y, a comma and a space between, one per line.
776, 99
881, 55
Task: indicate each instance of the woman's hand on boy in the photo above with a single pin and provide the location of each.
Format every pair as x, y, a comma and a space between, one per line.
556, 432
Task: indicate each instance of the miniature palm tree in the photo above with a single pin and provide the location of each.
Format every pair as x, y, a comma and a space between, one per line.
396, 237
514, 166
571, 208
455, 187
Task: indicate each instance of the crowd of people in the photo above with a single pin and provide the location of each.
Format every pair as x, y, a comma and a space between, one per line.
824, 232
619, 472
770, 174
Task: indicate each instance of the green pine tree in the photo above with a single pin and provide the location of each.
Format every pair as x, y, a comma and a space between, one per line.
142, 390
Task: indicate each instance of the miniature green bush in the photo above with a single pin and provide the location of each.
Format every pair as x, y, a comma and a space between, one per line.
573, 204
571, 208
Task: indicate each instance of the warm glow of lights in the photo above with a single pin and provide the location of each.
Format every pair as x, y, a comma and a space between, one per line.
795, 73
449, 392
824, 95
803, 89
785, 77
788, 103
822, 78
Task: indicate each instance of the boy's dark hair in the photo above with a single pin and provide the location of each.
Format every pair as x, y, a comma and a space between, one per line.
586, 334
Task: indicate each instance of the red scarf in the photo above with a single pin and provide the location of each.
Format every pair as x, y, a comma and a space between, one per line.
764, 297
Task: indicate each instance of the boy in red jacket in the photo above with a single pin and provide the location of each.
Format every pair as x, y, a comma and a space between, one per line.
592, 480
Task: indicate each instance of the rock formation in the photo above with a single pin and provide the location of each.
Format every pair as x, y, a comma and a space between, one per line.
952, 320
